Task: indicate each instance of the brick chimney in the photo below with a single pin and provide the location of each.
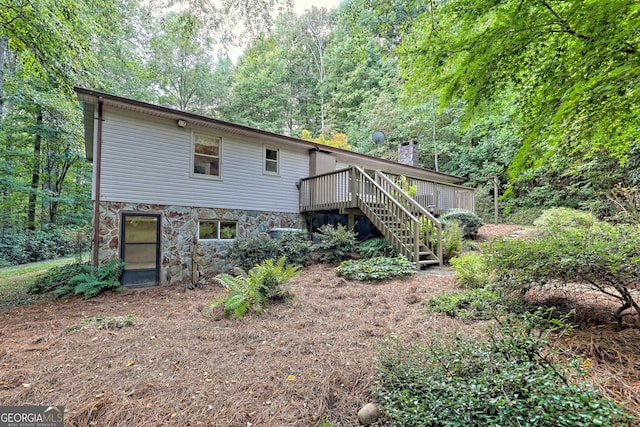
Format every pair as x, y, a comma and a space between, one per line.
408, 153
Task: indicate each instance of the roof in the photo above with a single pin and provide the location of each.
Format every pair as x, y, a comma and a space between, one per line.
91, 98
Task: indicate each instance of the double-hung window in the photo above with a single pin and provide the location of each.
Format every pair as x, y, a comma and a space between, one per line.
271, 160
206, 155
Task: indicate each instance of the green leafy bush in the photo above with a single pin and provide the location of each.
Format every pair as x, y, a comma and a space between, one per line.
94, 280
470, 222
251, 251
471, 270
511, 379
452, 240
296, 248
605, 257
376, 247
264, 283
334, 243
23, 246
468, 305
377, 268
56, 278
558, 219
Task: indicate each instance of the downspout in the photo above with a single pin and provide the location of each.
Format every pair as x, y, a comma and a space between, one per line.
96, 203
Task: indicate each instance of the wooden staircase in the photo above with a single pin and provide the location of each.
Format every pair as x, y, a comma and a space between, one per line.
412, 230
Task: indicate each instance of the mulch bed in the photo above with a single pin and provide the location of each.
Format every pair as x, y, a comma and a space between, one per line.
312, 359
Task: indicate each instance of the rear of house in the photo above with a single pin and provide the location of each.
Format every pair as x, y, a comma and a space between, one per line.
172, 189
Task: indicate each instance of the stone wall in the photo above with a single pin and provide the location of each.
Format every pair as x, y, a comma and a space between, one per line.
179, 231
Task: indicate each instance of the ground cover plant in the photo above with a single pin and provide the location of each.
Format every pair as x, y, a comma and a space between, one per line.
376, 268
511, 379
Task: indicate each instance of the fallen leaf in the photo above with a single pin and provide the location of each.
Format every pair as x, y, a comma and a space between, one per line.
130, 363
291, 378
175, 414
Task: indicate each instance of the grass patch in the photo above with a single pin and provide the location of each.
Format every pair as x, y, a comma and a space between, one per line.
15, 281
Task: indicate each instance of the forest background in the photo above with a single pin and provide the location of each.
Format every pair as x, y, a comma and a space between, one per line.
541, 95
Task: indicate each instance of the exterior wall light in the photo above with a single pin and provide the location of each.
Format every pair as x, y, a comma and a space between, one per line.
182, 123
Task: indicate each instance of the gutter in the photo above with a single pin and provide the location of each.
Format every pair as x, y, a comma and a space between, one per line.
98, 172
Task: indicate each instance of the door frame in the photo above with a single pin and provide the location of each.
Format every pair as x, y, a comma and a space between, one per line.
127, 275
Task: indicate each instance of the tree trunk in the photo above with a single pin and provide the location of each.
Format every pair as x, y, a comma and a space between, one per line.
35, 177
4, 46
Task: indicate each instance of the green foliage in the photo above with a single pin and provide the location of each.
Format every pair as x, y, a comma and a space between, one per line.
251, 251
452, 240
512, 379
471, 270
20, 247
605, 257
376, 247
335, 243
467, 305
470, 222
296, 248
94, 280
264, 283
56, 278
102, 321
377, 268
557, 219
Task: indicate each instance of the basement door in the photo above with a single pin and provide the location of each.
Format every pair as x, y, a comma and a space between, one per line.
140, 249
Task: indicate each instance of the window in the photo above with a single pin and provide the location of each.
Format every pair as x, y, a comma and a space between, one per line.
271, 160
206, 155
216, 230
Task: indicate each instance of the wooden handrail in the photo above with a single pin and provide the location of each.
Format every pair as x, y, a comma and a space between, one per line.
409, 199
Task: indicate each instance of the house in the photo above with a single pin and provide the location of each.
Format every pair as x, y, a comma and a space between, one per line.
172, 189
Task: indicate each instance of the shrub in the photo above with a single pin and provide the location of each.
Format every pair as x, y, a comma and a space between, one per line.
470, 222
334, 243
376, 247
605, 257
471, 270
452, 240
512, 379
557, 219
467, 305
296, 248
94, 280
20, 247
249, 252
377, 268
264, 283
56, 278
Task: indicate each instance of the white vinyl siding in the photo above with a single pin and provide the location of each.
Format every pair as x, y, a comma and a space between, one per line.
148, 160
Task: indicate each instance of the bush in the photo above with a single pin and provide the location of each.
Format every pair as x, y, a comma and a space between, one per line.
265, 283
558, 219
451, 240
471, 270
296, 249
377, 268
94, 280
605, 257
334, 244
376, 247
467, 305
512, 379
20, 247
470, 222
249, 252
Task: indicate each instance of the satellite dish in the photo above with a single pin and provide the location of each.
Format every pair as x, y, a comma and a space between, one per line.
378, 137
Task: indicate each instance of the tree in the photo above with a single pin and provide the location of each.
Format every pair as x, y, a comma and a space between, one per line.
573, 67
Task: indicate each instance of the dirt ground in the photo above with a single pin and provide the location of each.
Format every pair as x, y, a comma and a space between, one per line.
312, 359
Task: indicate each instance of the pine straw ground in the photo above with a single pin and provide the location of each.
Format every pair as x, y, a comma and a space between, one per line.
310, 360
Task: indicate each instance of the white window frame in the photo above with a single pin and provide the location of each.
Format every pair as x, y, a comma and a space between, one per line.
195, 174
265, 160
219, 224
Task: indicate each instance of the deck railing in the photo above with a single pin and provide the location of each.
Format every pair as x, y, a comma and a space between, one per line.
437, 197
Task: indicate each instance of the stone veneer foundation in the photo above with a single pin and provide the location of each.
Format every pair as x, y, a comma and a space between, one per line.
179, 231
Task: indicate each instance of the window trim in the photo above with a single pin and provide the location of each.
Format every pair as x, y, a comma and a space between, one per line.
265, 160
193, 173
219, 224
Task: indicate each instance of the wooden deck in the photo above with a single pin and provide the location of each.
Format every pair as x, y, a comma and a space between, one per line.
408, 223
